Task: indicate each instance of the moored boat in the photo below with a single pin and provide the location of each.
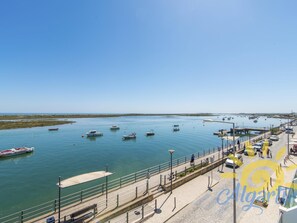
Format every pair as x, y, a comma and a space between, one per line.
175, 129
94, 133
150, 133
15, 151
114, 127
53, 129
130, 136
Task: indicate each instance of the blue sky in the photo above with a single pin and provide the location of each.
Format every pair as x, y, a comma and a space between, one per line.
151, 56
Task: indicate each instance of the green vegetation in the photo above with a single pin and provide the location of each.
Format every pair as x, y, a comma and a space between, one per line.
31, 123
38, 120
192, 169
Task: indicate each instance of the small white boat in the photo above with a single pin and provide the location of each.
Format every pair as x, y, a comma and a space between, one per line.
94, 133
114, 127
131, 136
150, 133
15, 151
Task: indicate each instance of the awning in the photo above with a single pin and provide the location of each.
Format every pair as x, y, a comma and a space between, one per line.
230, 138
83, 178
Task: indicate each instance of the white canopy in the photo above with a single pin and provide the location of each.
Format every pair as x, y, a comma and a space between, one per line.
230, 138
83, 178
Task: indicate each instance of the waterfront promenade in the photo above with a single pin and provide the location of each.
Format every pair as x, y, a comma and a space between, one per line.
141, 191
122, 199
206, 207
165, 205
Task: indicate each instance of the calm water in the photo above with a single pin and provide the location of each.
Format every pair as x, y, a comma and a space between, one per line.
31, 179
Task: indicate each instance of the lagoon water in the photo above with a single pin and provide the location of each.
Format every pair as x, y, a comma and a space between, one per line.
29, 180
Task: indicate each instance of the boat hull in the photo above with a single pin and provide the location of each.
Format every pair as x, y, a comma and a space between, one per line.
15, 152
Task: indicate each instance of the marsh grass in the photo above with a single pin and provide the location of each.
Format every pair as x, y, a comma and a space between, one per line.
31, 123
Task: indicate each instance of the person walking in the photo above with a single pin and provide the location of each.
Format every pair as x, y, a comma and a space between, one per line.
192, 160
268, 153
285, 160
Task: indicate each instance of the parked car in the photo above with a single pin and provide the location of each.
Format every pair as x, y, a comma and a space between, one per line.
237, 161
257, 148
288, 131
229, 151
269, 142
274, 138
250, 151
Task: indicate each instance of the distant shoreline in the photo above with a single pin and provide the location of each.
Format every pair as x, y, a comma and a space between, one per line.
40, 120
15, 121
58, 116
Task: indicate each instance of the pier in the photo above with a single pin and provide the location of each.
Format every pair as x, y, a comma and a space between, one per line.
246, 130
240, 131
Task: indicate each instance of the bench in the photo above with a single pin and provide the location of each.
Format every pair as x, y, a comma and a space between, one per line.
81, 215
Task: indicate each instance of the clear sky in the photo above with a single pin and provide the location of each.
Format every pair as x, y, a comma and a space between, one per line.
153, 56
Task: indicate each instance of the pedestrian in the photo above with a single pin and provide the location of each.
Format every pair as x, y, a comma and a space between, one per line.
285, 160
238, 144
268, 152
192, 159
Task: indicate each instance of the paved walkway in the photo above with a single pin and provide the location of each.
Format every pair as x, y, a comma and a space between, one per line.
126, 193
217, 206
169, 205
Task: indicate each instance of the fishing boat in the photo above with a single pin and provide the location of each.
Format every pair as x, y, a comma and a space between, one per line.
94, 133
175, 129
150, 133
53, 129
16, 151
175, 125
114, 127
130, 136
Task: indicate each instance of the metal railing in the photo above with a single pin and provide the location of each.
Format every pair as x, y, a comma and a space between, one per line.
51, 207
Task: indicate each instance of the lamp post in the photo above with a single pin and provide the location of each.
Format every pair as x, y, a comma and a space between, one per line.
221, 136
106, 186
59, 212
234, 180
288, 147
171, 151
